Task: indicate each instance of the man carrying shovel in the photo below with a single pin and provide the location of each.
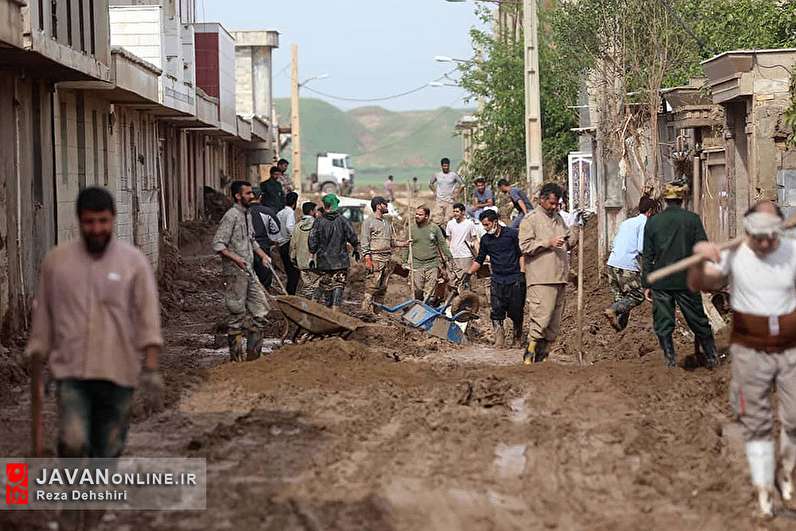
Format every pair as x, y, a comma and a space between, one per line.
762, 276
245, 297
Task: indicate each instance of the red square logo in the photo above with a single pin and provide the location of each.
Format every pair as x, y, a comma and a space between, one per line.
16, 484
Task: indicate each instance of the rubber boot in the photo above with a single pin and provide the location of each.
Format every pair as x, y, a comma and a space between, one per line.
337, 298
530, 352
235, 341
500, 334
254, 345
517, 339
541, 351
760, 455
612, 316
667, 344
708, 345
787, 452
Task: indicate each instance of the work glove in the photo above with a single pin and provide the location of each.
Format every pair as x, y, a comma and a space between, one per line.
356, 256
151, 388
369, 262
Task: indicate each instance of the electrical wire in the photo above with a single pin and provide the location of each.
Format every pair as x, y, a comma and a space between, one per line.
382, 98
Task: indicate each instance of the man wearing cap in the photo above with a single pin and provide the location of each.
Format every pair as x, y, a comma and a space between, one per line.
378, 242
328, 238
762, 276
669, 237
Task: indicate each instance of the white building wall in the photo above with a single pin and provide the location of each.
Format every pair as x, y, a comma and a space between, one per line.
226, 73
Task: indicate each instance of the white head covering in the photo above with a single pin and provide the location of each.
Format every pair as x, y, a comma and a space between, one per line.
762, 224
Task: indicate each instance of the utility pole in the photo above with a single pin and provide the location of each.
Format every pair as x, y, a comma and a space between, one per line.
533, 106
295, 122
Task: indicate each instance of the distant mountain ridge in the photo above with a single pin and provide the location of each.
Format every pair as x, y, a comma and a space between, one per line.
381, 142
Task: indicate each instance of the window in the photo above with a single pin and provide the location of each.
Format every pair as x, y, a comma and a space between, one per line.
348, 162
338, 163
105, 130
95, 146
62, 116
69, 22
92, 40
38, 184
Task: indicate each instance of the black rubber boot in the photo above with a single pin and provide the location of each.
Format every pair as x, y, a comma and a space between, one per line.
254, 345
541, 351
708, 345
667, 344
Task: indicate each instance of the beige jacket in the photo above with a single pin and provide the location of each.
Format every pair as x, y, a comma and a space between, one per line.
544, 264
94, 317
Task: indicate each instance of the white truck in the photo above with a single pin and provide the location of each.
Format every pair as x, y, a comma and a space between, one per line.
333, 174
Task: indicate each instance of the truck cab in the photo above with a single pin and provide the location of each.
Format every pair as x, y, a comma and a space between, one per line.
333, 174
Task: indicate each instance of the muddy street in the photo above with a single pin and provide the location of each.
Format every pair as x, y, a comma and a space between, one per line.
394, 429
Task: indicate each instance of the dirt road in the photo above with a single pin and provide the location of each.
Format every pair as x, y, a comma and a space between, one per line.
394, 430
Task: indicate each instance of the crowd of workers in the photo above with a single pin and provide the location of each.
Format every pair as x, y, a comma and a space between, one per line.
97, 305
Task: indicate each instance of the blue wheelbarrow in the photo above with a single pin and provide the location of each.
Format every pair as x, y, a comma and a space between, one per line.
445, 321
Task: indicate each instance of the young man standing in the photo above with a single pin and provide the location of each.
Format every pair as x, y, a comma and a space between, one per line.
272, 193
762, 276
669, 237
328, 238
378, 242
287, 223
389, 189
507, 294
519, 199
265, 223
624, 266
97, 311
544, 239
482, 197
245, 297
462, 237
284, 178
300, 254
446, 186
427, 244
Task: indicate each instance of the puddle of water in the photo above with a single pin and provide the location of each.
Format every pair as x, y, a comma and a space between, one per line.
510, 460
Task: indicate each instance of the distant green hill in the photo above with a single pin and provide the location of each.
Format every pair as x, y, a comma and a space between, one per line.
381, 142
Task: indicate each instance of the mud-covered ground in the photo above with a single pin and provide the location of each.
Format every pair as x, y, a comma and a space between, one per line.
397, 430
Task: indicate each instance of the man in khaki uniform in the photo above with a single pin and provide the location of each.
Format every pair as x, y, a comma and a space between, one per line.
300, 253
245, 297
544, 238
378, 241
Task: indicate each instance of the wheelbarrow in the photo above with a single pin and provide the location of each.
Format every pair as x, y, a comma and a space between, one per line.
438, 321
314, 320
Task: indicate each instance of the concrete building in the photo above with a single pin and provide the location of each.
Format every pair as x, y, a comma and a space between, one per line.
44, 43
254, 91
752, 87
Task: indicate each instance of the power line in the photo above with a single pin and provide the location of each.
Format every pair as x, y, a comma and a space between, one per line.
382, 98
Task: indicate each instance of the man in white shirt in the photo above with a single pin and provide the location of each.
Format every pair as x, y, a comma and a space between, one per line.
462, 237
762, 276
446, 186
624, 268
287, 223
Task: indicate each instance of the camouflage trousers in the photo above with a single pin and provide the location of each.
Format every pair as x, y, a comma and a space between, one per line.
310, 280
378, 278
626, 289
331, 285
245, 300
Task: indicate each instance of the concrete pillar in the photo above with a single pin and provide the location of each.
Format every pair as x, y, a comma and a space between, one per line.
262, 92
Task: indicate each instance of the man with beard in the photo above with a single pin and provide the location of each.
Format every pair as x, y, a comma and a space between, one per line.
378, 242
328, 238
97, 310
428, 243
245, 297
284, 179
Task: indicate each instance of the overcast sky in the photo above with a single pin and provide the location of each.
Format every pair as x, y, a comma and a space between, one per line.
369, 48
